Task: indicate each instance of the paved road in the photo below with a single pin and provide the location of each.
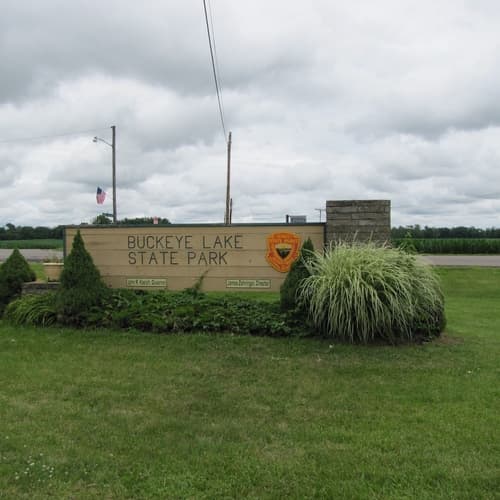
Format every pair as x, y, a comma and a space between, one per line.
463, 260
437, 260
32, 255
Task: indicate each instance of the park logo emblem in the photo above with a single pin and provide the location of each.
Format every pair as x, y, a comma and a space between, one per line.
282, 250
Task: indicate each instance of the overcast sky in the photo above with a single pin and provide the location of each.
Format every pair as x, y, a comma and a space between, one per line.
326, 99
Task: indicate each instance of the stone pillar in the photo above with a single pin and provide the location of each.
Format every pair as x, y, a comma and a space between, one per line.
362, 220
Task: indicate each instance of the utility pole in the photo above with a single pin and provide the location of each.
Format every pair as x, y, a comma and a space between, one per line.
113, 147
227, 216
320, 210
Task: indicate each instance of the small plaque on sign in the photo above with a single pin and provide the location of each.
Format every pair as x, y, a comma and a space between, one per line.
248, 283
147, 282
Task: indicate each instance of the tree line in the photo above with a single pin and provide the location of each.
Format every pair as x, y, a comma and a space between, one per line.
104, 219
12, 232
428, 232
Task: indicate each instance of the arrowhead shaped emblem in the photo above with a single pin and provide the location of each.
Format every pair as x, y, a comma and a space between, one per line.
282, 250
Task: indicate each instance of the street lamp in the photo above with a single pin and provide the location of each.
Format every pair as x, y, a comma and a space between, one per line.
112, 145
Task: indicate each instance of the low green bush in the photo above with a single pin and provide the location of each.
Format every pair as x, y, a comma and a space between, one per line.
297, 273
81, 286
166, 312
36, 310
13, 273
361, 292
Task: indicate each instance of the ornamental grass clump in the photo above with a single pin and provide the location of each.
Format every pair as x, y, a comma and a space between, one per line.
35, 310
361, 292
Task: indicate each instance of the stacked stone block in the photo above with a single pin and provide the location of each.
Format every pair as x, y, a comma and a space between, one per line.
362, 220
38, 287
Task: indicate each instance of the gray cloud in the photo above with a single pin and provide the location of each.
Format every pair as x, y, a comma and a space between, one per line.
325, 101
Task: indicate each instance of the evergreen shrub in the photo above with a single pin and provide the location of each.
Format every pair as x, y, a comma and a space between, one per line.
13, 273
361, 292
297, 273
81, 286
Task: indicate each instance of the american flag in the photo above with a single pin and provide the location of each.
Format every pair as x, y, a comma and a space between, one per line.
100, 196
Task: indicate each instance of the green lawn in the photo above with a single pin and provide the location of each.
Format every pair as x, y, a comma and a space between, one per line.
125, 415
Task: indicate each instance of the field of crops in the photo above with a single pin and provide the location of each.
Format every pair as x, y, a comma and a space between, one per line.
46, 244
454, 245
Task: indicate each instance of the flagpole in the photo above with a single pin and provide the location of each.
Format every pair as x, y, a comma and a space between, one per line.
113, 164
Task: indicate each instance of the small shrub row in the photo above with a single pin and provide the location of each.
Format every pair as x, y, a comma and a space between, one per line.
163, 312
452, 245
166, 312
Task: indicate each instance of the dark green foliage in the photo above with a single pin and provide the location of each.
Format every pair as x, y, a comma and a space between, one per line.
195, 290
406, 244
164, 312
453, 245
167, 312
298, 271
13, 273
81, 285
37, 310
12, 232
427, 232
102, 219
143, 221
48, 244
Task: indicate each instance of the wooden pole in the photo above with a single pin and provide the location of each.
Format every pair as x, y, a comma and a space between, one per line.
227, 217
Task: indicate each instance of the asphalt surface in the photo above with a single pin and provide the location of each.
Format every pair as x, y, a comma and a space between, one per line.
463, 260
34, 255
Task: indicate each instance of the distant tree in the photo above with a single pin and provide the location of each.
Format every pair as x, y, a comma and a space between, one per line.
444, 232
102, 219
138, 221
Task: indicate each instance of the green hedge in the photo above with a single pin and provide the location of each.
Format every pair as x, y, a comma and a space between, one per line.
165, 312
453, 245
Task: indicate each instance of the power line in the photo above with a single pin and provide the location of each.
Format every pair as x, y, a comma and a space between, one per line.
219, 98
215, 52
67, 134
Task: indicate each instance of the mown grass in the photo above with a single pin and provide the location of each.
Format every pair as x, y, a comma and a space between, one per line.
39, 271
99, 414
44, 244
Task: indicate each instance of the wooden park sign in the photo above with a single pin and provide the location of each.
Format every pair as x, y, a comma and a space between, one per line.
236, 257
